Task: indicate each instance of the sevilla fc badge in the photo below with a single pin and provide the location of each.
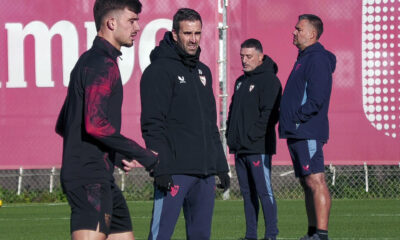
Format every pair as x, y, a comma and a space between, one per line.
203, 80
251, 88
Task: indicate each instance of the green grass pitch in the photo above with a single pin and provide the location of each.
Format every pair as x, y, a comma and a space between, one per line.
350, 219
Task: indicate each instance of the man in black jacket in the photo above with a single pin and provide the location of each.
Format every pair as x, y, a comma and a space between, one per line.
253, 114
90, 123
179, 123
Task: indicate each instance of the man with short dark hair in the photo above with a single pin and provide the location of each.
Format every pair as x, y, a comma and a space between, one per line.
90, 123
179, 123
253, 114
304, 120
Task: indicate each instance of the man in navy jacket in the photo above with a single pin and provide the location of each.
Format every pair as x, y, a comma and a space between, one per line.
304, 120
253, 114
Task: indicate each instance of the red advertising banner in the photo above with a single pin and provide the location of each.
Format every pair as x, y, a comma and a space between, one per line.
42, 39
364, 35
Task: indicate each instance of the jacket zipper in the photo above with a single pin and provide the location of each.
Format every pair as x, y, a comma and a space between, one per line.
196, 77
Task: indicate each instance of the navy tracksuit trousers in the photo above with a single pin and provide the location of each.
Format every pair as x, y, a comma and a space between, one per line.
254, 175
196, 195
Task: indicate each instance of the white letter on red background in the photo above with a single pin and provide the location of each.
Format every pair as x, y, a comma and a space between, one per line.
148, 39
42, 35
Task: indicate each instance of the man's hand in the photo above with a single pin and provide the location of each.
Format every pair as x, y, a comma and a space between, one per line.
128, 165
225, 181
151, 162
164, 182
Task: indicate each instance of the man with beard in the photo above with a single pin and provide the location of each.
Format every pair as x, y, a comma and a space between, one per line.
179, 123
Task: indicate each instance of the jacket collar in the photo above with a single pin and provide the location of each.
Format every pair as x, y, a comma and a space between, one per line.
105, 46
168, 48
267, 65
314, 47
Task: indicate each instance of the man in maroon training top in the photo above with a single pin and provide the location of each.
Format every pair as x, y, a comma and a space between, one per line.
90, 123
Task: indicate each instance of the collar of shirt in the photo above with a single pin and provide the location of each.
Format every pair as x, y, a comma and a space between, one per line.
107, 47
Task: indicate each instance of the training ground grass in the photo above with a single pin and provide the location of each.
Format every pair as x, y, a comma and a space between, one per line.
350, 219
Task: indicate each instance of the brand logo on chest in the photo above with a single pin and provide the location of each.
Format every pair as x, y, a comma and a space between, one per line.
238, 85
181, 79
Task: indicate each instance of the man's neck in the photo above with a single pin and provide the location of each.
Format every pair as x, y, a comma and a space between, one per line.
304, 48
109, 39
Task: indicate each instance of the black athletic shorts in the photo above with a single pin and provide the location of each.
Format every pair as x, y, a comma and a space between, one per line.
99, 204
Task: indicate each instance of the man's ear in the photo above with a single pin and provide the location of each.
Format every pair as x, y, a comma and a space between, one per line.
260, 56
174, 35
111, 24
313, 34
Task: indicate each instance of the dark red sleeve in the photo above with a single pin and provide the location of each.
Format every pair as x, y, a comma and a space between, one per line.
100, 85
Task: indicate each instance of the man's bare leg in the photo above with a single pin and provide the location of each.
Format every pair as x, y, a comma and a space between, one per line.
309, 203
321, 197
88, 235
121, 236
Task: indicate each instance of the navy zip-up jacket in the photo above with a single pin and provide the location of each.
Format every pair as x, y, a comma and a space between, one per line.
254, 111
90, 121
305, 101
178, 116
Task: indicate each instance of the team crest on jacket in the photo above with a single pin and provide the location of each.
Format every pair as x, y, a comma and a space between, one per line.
203, 79
238, 85
251, 87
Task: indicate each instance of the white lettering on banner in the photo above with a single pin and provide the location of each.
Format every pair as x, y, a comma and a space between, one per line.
70, 43
42, 35
148, 39
90, 33
126, 63
220, 6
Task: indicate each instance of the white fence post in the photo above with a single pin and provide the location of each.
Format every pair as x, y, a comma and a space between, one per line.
122, 173
333, 171
366, 176
223, 80
21, 172
52, 173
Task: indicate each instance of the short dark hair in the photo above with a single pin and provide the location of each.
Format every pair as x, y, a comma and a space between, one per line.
185, 14
315, 21
252, 43
103, 7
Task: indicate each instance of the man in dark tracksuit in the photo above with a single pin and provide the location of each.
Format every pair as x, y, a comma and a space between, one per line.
179, 123
304, 120
90, 123
253, 114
